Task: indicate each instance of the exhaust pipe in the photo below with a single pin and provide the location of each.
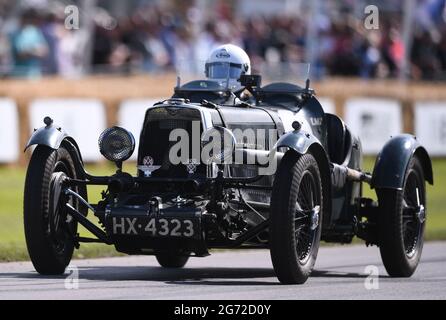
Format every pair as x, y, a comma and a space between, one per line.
341, 174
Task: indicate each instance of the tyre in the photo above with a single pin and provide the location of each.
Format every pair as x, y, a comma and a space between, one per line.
49, 231
168, 260
295, 218
401, 222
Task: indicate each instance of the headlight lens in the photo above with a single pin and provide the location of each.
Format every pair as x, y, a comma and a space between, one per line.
116, 144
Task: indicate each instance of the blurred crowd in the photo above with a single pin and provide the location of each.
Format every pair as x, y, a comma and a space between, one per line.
152, 39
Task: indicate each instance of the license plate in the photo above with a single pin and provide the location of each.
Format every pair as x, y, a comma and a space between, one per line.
155, 227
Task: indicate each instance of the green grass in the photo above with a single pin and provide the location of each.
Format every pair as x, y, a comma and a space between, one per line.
12, 244
12, 239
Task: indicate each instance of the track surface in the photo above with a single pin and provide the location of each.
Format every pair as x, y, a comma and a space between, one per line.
340, 273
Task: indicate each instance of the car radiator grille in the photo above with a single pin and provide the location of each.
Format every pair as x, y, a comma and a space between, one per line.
158, 125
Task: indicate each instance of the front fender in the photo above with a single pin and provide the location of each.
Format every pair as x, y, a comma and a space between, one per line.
49, 136
55, 137
391, 164
299, 141
303, 142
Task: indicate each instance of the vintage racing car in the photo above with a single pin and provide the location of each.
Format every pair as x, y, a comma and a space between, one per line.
280, 174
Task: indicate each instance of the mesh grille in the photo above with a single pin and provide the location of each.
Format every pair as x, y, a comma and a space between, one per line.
173, 124
158, 125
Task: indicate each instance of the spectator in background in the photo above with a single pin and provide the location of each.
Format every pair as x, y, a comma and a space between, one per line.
345, 55
103, 47
442, 51
131, 31
153, 38
424, 57
50, 30
29, 46
71, 49
5, 55
158, 57
370, 55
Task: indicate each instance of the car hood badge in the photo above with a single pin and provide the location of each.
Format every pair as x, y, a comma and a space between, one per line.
191, 165
147, 166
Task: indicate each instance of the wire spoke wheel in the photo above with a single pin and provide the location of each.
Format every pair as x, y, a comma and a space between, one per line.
61, 227
401, 223
295, 218
49, 230
413, 213
308, 200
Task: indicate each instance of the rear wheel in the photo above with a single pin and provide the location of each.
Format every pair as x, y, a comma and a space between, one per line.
295, 218
169, 260
402, 219
49, 231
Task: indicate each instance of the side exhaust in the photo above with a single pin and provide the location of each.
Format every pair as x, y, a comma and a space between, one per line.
341, 174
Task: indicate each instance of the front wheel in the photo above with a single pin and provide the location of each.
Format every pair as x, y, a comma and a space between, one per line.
402, 218
295, 218
171, 260
49, 231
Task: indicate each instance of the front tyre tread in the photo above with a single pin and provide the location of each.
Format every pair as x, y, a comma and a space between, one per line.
288, 266
47, 260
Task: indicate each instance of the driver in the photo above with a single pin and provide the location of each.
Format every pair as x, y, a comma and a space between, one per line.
226, 64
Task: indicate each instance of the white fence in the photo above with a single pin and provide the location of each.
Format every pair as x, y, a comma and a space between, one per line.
131, 116
9, 131
430, 126
374, 120
327, 104
83, 119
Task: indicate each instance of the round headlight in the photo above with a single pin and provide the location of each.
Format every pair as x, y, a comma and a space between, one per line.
116, 144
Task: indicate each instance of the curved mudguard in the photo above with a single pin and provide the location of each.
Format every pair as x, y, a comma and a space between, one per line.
49, 136
391, 164
52, 137
303, 142
299, 141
